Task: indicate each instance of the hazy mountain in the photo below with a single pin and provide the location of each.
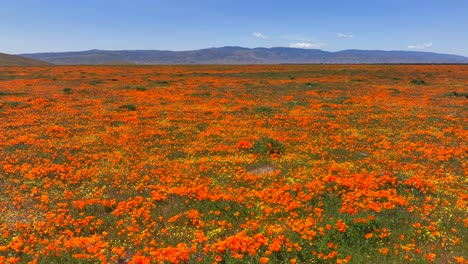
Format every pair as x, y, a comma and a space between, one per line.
13, 60
239, 55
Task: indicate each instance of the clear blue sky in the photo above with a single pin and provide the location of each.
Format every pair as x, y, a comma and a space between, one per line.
69, 25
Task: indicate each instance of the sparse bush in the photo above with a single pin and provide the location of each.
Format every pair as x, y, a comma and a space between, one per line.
202, 94
129, 107
96, 82
161, 82
13, 104
458, 94
418, 82
176, 154
141, 88
11, 93
263, 110
268, 146
117, 123
67, 90
312, 84
394, 90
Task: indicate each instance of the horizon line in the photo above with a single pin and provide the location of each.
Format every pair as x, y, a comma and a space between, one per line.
220, 47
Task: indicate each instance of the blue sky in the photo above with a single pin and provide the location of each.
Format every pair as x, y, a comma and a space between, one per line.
70, 25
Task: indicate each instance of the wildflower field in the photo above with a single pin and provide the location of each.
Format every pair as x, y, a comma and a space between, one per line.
234, 164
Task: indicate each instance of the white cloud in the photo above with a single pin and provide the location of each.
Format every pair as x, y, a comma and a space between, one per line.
307, 45
420, 46
259, 35
343, 35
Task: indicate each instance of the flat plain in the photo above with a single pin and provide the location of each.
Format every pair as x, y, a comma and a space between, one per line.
230, 164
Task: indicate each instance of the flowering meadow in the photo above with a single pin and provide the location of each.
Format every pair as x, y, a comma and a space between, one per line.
234, 164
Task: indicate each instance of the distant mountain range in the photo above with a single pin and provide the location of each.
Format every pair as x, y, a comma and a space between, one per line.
240, 55
12, 60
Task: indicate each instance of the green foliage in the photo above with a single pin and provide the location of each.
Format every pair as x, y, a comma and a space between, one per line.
394, 91
67, 90
268, 146
129, 107
13, 104
202, 94
117, 123
161, 82
11, 93
418, 82
263, 110
176, 154
458, 94
359, 80
300, 102
96, 82
312, 84
141, 88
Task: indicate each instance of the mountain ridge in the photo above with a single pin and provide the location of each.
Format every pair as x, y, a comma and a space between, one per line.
241, 55
14, 60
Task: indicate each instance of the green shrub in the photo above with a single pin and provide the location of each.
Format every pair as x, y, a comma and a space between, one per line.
129, 107
141, 88
312, 84
117, 123
67, 90
458, 94
263, 110
176, 154
14, 104
202, 94
268, 146
96, 82
11, 93
161, 82
394, 90
418, 82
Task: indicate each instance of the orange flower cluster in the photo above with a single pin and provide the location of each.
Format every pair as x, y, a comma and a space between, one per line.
229, 164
